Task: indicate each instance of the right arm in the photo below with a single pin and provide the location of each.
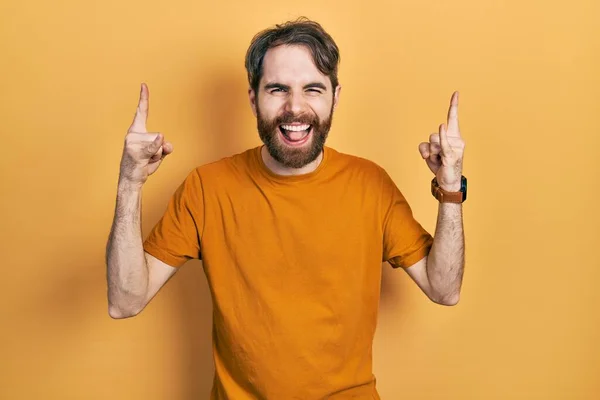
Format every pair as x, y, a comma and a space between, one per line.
134, 276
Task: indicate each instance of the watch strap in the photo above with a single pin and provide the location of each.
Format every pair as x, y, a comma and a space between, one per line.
444, 196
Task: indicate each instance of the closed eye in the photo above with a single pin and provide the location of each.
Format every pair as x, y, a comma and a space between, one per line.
313, 87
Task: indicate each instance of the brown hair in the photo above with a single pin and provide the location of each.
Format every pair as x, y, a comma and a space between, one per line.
302, 31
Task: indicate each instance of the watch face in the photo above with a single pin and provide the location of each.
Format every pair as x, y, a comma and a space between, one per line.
463, 187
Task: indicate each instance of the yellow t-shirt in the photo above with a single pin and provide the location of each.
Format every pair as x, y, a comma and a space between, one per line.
294, 268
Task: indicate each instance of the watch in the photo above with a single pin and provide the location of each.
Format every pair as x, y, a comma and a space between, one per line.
449, 197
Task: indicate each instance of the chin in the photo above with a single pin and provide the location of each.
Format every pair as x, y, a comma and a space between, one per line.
294, 155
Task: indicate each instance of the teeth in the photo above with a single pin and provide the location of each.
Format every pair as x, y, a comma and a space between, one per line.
295, 128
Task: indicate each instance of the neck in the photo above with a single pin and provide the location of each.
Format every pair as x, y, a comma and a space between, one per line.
277, 168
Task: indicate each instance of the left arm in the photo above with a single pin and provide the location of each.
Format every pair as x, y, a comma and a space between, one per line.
440, 273
446, 259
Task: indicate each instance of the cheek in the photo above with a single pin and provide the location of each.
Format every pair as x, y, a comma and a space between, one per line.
323, 108
269, 109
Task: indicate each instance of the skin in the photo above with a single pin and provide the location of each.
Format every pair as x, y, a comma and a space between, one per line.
134, 276
440, 273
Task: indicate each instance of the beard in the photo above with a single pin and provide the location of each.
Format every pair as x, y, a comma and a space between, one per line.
289, 156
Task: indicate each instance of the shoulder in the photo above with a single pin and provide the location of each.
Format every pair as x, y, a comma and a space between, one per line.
225, 174
235, 164
356, 164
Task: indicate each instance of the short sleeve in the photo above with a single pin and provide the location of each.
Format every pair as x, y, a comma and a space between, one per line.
176, 237
405, 241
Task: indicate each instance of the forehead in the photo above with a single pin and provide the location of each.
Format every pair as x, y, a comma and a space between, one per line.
291, 65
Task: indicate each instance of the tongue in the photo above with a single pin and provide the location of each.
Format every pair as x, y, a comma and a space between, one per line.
296, 136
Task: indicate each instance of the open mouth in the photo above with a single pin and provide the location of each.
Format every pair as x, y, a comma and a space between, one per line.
295, 134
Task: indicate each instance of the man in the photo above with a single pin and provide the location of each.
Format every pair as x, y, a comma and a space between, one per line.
292, 234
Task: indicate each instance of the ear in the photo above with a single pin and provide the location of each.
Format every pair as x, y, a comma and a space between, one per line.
253, 99
336, 95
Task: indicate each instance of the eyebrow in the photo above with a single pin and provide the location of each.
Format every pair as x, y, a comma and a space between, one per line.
275, 85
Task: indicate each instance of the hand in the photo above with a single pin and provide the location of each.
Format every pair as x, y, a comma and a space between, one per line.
143, 151
444, 151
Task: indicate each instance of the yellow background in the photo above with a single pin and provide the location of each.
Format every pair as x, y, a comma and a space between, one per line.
528, 323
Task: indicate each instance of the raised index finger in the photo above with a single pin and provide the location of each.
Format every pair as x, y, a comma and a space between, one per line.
453, 129
141, 114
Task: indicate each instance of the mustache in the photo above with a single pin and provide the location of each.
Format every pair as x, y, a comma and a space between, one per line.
289, 118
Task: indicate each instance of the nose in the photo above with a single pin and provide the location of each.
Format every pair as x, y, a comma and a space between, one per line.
295, 103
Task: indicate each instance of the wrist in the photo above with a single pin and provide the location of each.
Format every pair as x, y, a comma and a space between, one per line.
451, 188
450, 193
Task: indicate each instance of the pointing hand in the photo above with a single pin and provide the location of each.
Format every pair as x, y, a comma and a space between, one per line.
445, 149
143, 151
